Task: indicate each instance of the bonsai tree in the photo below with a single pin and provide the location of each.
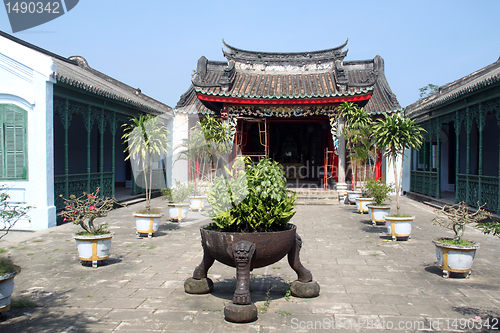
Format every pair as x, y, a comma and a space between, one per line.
356, 119
146, 136
456, 217
9, 213
85, 209
378, 191
251, 200
395, 134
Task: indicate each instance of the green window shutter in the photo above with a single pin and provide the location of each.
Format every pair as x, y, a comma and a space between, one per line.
14, 143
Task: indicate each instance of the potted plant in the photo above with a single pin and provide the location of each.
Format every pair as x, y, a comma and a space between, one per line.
146, 138
363, 201
197, 198
178, 206
10, 213
456, 254
395, 134
94, 241
379, 192
250, 210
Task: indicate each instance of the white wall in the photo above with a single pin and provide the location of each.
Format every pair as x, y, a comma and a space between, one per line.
389, 172
180, 131
26, 82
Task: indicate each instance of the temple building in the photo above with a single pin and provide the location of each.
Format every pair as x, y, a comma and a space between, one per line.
60, 129
459, 160
285, 106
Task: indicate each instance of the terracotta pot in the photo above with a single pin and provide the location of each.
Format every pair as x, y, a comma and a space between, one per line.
94, 248
398, 227
6, 290
455, 258
362, 203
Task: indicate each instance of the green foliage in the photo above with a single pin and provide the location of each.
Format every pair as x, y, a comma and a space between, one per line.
428, 90
490, 227
179, 193
394, 134
7, 266
251, 200
209, 142
456, 217
10, 212
378, 191
461, 242
146, 136
83, 211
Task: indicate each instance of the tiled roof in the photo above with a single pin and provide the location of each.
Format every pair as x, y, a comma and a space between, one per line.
484, 77
76, 72
264, 76
80, 75
190, 104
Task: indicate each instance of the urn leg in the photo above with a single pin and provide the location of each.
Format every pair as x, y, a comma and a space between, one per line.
243, 252
200, 283
241, 309
304, 286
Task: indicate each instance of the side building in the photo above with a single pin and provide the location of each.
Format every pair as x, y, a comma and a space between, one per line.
459, 160
60, 129
285, 106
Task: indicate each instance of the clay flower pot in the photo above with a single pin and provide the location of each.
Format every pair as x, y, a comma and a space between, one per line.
362, 203
378, 213
352, 195
178, 211
399, 227
197, 203
147, 223
6, 289
94, 248
455, 258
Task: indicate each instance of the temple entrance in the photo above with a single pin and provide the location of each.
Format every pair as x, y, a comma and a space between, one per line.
299, 144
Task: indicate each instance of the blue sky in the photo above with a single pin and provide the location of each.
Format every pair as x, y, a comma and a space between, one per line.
155, 44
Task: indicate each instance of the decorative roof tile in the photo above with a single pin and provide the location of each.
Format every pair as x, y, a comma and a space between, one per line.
482, 78
305, 77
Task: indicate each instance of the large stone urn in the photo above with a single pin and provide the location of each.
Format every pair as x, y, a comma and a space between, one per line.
246, 251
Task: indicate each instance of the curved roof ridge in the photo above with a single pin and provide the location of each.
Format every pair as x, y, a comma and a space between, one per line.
240, 54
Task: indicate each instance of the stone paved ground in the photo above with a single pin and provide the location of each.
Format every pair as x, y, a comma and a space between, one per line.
365, 280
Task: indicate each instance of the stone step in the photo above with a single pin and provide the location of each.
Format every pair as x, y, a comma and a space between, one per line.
316, 197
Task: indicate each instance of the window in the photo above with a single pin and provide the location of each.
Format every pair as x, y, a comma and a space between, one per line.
13, 153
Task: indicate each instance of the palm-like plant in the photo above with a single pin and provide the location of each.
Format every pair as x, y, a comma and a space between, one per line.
147, 136
356, 119
395, 134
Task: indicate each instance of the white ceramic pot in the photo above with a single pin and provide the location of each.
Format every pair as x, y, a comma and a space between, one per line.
147, 223
399, 226
362, 203
178, 211
94, 248
352, 195
6, 290
197, 202
378, 213
455, 258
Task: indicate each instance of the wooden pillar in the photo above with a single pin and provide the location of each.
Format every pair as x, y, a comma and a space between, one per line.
480, 124
468, 128
102, 128
113, 127
438, 166
457, 125
498, 123
66, 118
88, 126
